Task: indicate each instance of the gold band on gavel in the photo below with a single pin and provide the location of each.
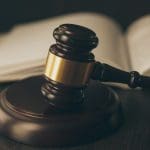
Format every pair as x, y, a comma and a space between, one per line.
68, 72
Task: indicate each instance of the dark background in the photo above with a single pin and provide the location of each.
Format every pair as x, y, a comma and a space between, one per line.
16, 11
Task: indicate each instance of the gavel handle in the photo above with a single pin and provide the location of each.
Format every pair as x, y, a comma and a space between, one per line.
107, 73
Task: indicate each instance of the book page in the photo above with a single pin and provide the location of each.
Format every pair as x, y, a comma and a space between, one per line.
138, 39
26, 46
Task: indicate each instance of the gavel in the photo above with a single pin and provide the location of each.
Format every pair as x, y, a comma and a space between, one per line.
67, 105
71, 64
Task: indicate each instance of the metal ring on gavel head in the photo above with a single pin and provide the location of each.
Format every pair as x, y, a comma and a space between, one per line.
68, 72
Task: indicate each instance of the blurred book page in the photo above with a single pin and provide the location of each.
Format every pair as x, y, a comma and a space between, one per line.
26, 46
138, 39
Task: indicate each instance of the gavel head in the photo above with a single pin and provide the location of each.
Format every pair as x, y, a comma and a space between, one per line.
69, 63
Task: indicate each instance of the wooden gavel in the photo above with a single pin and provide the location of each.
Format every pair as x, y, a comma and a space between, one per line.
71, 65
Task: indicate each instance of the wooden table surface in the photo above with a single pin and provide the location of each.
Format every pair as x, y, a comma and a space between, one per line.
133, 135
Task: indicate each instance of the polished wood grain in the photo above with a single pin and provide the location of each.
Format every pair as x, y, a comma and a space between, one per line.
27, 117
133, 135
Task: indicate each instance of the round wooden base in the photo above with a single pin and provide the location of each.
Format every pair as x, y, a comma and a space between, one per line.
27, 117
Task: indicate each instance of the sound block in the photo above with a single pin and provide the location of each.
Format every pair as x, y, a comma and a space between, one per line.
27, 117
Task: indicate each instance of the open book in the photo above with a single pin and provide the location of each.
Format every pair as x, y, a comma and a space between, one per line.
24, 49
